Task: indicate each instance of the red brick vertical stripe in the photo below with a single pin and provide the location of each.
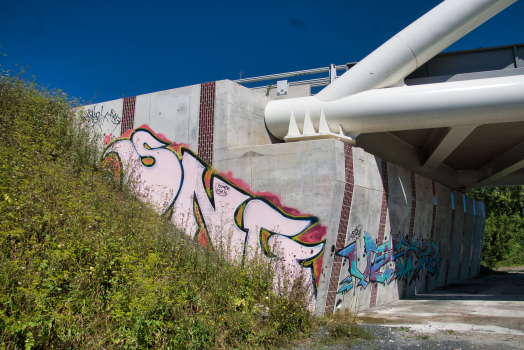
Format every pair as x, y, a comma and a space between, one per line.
128, 114
411, 227
432, 234
342, 229
382, 225
206, 122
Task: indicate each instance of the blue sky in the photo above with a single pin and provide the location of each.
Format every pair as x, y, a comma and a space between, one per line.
110, 49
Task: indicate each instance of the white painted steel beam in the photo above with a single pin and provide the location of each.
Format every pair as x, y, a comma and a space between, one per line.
360, 102
473, 102
414, 46
442, 142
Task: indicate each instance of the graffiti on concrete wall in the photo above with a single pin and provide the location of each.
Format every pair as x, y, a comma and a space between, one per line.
99, 118
215, 209
386, 262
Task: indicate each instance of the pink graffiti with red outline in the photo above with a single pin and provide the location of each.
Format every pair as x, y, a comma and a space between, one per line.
216, 209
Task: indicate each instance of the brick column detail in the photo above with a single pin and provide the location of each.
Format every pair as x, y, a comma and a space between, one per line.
382, 225
206, 122
342, 229
128, 114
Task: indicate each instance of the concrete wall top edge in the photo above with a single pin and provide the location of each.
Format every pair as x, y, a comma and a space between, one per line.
149, 93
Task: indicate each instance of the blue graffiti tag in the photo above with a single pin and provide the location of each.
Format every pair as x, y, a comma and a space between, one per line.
402, 253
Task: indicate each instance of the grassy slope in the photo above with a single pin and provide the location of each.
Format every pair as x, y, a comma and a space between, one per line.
86, 265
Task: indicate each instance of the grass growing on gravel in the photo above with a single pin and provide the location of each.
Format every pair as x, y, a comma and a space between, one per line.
339, 328
84, 264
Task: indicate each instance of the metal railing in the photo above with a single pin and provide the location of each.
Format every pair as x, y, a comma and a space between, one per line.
324, 81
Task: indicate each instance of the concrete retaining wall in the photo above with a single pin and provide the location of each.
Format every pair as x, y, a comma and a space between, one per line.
367, 231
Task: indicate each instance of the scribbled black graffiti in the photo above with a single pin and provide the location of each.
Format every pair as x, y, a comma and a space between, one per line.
355, 234
98, 118
222, 190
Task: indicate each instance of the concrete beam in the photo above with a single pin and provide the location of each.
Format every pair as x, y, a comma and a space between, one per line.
395, 150
499, 168
505, 164
442, 142
513, 179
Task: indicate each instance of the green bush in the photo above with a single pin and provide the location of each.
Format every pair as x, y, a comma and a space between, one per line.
504, 229
84, 264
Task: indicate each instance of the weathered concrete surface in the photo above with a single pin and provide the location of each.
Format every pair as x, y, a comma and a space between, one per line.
292, 92
442, 231
305, 175
173, 113
239, 117
360, 200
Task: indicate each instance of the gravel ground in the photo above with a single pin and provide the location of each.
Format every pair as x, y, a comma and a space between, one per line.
485, 312
404, 338
393, 338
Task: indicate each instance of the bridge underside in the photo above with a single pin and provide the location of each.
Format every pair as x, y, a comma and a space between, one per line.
462, 158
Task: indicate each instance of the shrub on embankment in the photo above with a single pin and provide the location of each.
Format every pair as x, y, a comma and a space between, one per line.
83, 264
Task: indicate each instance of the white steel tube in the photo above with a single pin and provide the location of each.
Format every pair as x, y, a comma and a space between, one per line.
414, 46
471, 102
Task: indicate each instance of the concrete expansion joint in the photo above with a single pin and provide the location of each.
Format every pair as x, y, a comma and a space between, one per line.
368, 188
232, 104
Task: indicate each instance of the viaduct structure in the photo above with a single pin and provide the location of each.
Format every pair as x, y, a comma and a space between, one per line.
359, 187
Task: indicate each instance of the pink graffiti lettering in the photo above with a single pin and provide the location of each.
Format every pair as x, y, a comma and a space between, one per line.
215, 209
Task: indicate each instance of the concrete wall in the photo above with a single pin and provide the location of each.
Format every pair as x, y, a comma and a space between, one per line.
293, 91
368, 232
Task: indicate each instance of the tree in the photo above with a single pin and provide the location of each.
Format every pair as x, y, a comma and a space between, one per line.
504, 230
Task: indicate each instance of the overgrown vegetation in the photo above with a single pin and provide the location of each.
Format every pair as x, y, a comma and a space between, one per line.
84, 264
342, 326
504, 230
